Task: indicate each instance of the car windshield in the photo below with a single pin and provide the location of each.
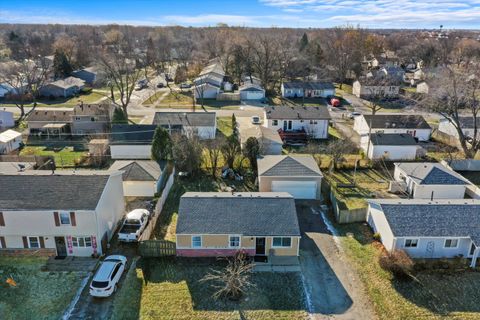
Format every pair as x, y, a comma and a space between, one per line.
132, 221
100, 284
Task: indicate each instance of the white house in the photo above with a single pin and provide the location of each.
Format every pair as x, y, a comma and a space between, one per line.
141, 178
6, 120
466, 123
313, 121
10, 140
312, 89
426, 180
422, 87
414, 125
269, 139
201, 124
62, 214
366, 88
391, 146
250, 91
205, 90
426, 229
297, 175
131, 141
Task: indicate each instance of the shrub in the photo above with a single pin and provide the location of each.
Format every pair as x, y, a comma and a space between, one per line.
377, 236
86, 90
398, 263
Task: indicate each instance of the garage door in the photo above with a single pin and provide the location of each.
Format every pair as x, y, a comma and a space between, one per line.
298, 189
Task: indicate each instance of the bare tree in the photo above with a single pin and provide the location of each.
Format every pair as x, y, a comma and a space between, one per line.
337, 149
214, 151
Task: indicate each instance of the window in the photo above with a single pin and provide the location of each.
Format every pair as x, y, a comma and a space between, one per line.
64, 217
92, 119
274, 122
114, 273
451, 243
411, 243
82, 242
234, 241
196, 241
290, 125
33, 242
281, 242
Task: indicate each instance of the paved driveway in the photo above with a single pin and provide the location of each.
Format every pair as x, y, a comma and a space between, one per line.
333, 287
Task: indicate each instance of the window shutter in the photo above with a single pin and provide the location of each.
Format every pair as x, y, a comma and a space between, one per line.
25, 242
2, 242
42, 242
2, 221
57, 219
72, 219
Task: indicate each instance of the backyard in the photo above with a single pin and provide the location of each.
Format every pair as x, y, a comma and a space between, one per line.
169, 288
445, 294
64, 157
87, 98
37, 294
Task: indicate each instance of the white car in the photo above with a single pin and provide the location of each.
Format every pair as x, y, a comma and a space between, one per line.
105, 280
354, 114
133, 226
256, 120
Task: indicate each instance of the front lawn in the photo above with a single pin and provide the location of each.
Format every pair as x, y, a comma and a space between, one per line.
433, 295
170, 289
64, 157
38, 294
224, 125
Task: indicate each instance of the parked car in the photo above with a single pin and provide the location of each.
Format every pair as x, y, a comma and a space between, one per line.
105, 281
133, 226
335, 102
354, 114
141, 84
256, 120
185, 85
160, 85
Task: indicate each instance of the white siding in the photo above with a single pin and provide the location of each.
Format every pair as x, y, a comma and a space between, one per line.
361, 126
439, 191
130, 151
139, 188
317, 128
434, 247
377, 221
392, 153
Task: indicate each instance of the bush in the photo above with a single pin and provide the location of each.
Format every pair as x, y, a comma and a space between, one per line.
377, 236
86, 90
398, 263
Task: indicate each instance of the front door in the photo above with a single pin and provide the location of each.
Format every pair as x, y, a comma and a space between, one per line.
260, 246
61, 246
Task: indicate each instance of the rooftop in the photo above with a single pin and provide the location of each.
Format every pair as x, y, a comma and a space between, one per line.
244, 213
398, 121
125, 134
9, 135
138, 170
297, 112
392, 139
191, 119
311, 85
428, 173
283, 165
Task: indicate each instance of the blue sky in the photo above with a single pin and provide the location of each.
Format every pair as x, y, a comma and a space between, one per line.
255, 13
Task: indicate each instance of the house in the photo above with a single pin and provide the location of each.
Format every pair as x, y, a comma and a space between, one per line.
10, 140
467, 126
61, 214
89, 75
141, 178
426, 229
218, 224
64, 88
311, 121
393, 71
250, 91
131, 141
368, 87
201, 124
91, 119
50, 123
6, 120
207, 86
269, 139
299, 175
426, 180
312, 89
390, 146
414, 125
6, 89
423, 87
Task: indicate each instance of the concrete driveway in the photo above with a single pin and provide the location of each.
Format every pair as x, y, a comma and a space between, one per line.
334, 290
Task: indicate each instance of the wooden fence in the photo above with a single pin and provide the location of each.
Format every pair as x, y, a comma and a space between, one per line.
147, 233
157, 248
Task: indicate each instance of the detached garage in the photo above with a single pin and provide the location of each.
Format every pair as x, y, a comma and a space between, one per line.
251, 91
141, 178
298, 175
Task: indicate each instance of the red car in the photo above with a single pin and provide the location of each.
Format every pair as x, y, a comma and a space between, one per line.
335, 102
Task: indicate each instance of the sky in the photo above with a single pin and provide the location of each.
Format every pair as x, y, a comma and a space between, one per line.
414, 14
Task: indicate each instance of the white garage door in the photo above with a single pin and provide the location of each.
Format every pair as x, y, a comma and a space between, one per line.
298, 189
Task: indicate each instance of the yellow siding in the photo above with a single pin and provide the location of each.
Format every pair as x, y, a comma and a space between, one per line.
248, 242
292, 251
215, 241
184, 241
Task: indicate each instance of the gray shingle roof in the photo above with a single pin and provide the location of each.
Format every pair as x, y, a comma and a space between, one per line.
50, 116
51, 192
431, 174
128, 134
138, 170
467, 122
384, 121
192, 119
281, 165
434, 220
312, 85
392, 139
297, 112
252, 214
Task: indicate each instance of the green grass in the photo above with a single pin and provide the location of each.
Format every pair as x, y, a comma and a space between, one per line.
63, 103
66, 157
152, 99
38, 294
170, 289
436, 295
224, 125
345, 88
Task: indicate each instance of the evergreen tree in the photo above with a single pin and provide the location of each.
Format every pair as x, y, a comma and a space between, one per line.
61, 66
303, 42
119, 117
161, 145
252, 151
151, 52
